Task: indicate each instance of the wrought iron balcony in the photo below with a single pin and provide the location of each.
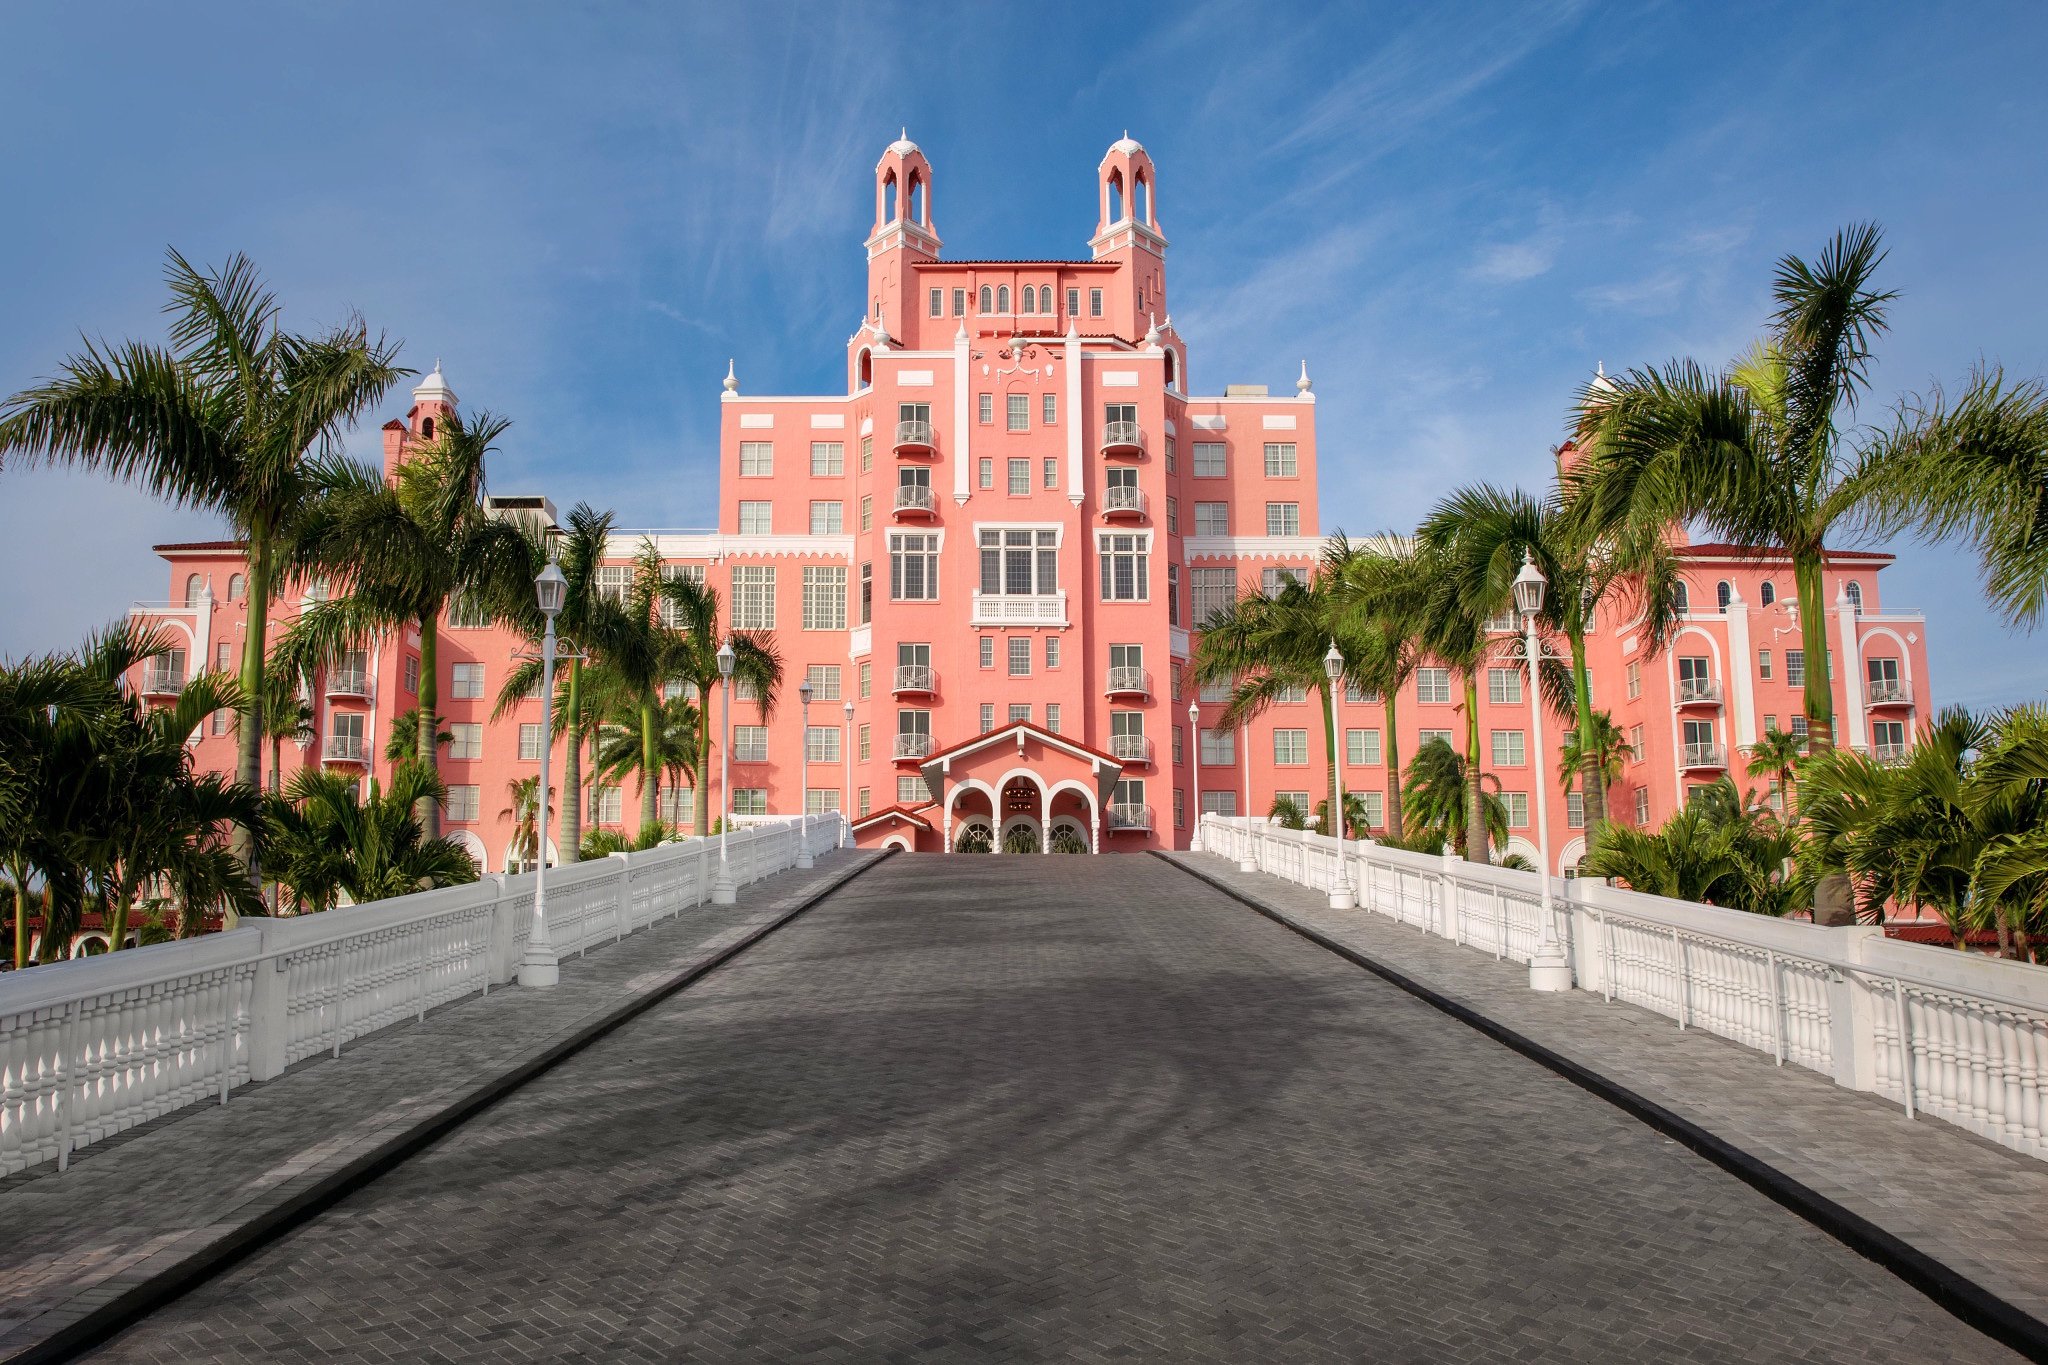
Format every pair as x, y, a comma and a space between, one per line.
1704, 756
343, 749
913, 748
1125, 815
914, 678
1891, 755
158, 681
915, 499
1130, 748
1890, 692
1128, 681
915, 438
1123, 438
348, 683
1693, 691
1123, 502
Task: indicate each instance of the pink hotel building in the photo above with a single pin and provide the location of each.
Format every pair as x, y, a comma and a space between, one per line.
987, 555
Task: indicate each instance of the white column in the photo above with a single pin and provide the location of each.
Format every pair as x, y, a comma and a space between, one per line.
963, 420
1856, 733
1077, 420
1741, 678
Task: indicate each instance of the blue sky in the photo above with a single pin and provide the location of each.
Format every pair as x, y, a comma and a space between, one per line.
1452, 212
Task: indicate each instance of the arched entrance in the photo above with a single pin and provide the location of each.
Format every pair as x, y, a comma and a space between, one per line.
1068, 836
973, 835
1022, 834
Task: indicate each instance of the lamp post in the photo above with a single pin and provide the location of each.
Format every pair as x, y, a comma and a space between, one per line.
1548, 968
803, 820
1195, 735
1248, 861
723, 892
846, 796
1341, 897
537, 966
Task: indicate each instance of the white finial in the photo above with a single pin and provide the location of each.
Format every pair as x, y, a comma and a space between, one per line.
1152, 333
904, 133
437, 364
732, 382
1304, 384
1600, 368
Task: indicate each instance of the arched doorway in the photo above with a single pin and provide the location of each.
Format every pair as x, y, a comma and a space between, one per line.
1068, 835
974, 836
1021, 834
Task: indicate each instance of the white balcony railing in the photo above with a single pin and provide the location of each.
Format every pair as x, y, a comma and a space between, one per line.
913, 435
158, 681
1130, 748
1891, 755
915, 497
1123, 501
1698, 689
1040, 609
1705, 756
343, 749
914, 678
1130, 680
1129, 815
348, 684
1890, 692
913, 746
1122, 436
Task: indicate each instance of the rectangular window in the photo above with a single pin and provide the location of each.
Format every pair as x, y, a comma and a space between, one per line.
1795, 667
605, 805
1504, 686
466, 613
828, 518
910, 791
1073, 303
1219, 748
756, 518
1888, 738
750, 801
1172, 515
1020, 656
1019, 710
867, 680
1635, 680
1299, 800
988, 651
1052, 471
1293, 693
1362, 747
1214, 590
986, 473
463, 802
1172, 593
224, 658
1433, 685
824, 598
867, 593
468, 741
529, 743
1509, 749
1574, 810
1357, 695
223, 721
757, 459
938, 303
1095, 303
1052, 716
913, 566
828, 459
867, 453
1290, 747
1518, 809
1019, 561
824, 679
1124, 559
1642, 805
1763, 664
865, 801
1283, 518
1017, 412
1048, 408
1171, 452
988, 716
670, 613
1180, 808
867, 742
1052, 651
1212, 518
1219, 803
466, 682
753, 597
409, 674
1210, 460
986, 409
867, 512
750, 744
1020, 477
959, 311
1271, 581
821, 744
677, 806
1423, 737
818, 800
1635, 742
1280, 462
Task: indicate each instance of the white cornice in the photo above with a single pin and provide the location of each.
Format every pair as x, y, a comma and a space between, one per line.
716, 545
1253, 547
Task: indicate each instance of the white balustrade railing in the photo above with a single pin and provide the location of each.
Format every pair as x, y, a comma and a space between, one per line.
96, 1045
1957, 1035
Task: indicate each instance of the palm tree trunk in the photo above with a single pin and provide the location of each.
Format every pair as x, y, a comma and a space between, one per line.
1393, 757
1592, 778
650, 773
703, 820
1834, 899
249, 738
1475, 800
428, 809
1335, 824
117, 915
19, 871
572, 770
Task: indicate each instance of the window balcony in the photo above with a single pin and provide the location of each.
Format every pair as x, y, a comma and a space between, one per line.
1122, 440
914, 440
913, 748
158, 681
916, 500
350, 684
1890, 693
1127, 816
914, 678
1124, 503
1891, 755
1131, 748
1019, 609
1698, 692
343, 749
1129, 682
1703, 756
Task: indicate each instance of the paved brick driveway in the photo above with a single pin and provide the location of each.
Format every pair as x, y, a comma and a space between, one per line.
1052, 1109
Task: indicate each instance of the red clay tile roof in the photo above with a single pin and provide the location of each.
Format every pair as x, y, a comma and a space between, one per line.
202, 545
1759, 553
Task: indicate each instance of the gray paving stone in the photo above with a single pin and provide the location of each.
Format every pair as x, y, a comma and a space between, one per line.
1051, 1108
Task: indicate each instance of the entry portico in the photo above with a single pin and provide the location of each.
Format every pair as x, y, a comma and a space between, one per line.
1021, 789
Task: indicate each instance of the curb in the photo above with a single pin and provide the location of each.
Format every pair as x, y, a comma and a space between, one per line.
1997, 1318
135, 1301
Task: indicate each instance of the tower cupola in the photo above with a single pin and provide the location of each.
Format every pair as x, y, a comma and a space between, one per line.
903, 200
1126, 184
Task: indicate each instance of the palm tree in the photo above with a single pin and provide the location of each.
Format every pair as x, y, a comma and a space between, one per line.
1287, 813
1438, 795
1721, 848
1593, 754
1379, 590
287, 716
1975, 470
228, 417
333, 842
523, 793
625, 750
579, 552
1355, 826
401, 554
1778, 754
402, 739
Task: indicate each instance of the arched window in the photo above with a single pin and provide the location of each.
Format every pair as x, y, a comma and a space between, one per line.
889, 214
1768, 593
427, 428
1680, 598
987, 299
1172, 370
1002, 298
864, 369
1143, 207
195, 587
1854, 592
1723, 595
918, 212
238, 587
1116, 197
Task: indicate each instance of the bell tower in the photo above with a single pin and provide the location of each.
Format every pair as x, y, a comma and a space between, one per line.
1127, 231
902, 233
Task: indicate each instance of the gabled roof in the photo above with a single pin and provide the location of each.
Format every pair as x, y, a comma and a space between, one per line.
895, 812
1105, 768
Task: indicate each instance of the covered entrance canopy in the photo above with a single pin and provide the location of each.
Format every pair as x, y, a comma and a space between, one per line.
1020, 789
